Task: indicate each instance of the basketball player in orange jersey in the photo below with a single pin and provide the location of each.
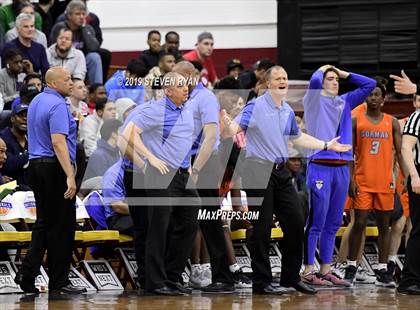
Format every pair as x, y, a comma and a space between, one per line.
372, 186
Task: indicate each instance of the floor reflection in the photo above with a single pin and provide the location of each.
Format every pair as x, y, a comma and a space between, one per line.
365, 297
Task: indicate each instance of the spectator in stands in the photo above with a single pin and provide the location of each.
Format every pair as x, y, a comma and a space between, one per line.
91, 126
3, 158
35, 58
97, 93
8, 14
83, 38
38, 36
234, 68
172, 45
26, 94
107, 152
250, 78
93, 20
203, 54
9, 77
124, 107
166, 64
17, 147
116, 209
43, 9
151, 56
31, 79
127, 83
78, 107
63, 54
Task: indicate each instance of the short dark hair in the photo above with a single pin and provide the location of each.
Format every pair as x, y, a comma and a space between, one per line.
197, 65
164, 54
171, 33
151, 32
264, 64
93, 87
330, 69
228, 82
31, 76
381, 83
44, 2
9, 54
109, 126
100, 104
137, 67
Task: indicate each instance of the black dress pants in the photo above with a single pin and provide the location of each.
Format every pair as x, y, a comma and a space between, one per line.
411, 271
207, 184
55, 224
273, 184
167, 254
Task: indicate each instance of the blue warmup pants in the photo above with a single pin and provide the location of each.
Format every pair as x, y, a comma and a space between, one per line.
328, 187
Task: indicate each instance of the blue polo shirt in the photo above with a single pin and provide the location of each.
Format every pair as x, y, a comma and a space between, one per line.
268, 128
48, 114
119, 87
128, 164
113, 187
205, 111
167, 131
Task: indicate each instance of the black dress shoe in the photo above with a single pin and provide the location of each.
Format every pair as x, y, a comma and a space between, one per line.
27, 286
409, 290
267, 290
218, 288
178, 286
301, 287
69, 289
167, 291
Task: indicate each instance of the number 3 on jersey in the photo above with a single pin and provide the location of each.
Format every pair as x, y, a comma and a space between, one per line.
375, 147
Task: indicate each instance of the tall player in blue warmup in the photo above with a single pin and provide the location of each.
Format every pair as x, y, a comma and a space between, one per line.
328, 115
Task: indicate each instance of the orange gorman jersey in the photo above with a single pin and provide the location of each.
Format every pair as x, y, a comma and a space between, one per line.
360, 109
374, 155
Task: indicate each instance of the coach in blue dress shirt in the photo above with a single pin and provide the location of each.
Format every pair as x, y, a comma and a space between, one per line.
269, 123
51, 175
207, 173
163, 134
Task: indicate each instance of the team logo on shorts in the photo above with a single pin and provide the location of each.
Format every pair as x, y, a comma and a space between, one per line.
319, 184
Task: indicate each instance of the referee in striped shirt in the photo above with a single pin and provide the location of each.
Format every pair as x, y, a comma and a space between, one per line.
410, 277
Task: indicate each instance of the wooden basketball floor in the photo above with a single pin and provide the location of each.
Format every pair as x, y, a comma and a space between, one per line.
361, 297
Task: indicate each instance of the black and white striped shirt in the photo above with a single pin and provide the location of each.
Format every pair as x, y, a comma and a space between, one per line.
412, 128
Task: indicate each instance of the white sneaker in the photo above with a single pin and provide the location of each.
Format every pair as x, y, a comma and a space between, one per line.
205, 276
340, 269
195, 278
364, 277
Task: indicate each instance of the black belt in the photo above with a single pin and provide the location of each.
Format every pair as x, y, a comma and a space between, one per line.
275, 165
49, 160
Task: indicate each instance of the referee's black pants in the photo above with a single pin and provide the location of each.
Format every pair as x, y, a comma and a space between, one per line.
273, 183
167, 254
207, 184
411, 271
134, 187
55, 223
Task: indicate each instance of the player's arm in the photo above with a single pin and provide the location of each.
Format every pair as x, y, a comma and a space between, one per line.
231, 127
132, 134
353, 189
397, 138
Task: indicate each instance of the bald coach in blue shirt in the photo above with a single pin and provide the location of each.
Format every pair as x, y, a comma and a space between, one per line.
52, 152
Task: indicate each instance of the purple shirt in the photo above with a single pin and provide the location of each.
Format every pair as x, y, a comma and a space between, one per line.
268, 128
113, 187
205, 111
167, 131
329, 117
48, 114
